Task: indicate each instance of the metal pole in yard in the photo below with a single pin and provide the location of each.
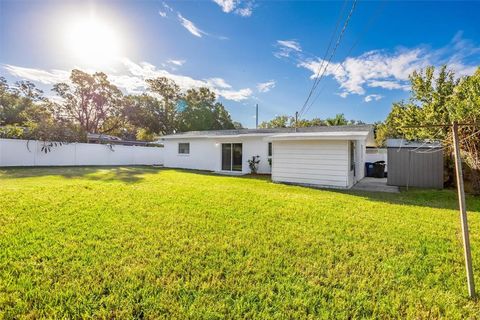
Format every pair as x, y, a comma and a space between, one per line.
256, 117
463, 212
296, 121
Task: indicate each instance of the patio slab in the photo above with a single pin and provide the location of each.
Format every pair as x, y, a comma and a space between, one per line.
375, 185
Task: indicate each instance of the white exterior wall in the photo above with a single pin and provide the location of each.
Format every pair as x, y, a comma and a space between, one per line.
360, 148
312, 162
206, 153
15, 153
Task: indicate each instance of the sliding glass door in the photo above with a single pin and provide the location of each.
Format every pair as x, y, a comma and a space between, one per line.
232, 156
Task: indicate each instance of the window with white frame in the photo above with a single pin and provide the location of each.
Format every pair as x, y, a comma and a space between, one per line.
184, 148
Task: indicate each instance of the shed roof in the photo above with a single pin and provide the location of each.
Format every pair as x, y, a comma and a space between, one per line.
402, 143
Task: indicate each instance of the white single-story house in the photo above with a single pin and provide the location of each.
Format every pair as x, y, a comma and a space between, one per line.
327, 156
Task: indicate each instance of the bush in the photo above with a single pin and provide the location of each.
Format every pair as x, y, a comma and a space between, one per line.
253, 164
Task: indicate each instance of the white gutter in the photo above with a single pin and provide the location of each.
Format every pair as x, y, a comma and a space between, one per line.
339, 135
184, 136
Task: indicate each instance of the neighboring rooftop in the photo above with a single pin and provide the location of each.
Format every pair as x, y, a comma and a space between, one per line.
402, 143
236, 132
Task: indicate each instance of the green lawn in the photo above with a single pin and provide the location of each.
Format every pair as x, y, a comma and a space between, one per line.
151, 243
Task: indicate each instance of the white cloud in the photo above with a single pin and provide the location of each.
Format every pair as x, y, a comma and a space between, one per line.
226, 5
291, 44
373, 97
266, 86
176, 62
286, 48
388, 84
169, 12
239, 7
373, 68
244, 12
385, 69
131, 76
238, 95
38, 75
390, 70
187, 24
218, 82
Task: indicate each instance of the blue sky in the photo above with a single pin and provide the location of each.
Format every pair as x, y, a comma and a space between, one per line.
249, 52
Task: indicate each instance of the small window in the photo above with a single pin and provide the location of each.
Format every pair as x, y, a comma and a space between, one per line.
184, 148
269, 149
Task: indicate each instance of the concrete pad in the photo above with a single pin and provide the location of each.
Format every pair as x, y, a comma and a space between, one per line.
375, 185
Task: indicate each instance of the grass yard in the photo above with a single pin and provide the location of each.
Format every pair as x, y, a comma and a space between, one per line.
151, 243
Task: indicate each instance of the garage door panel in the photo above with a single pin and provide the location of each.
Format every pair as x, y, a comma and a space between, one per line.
311, 162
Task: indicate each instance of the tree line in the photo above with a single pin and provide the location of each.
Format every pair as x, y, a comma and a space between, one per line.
285, 121
438, 97
90, 103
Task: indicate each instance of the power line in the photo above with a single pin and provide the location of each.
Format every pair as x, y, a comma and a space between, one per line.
373, 17
443, 148
317, 73
342, 32
318, 79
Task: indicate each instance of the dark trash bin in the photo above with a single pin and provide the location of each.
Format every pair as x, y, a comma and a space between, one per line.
369, 169
379, 169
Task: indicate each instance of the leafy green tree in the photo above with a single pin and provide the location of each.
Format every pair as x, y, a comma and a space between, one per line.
282, 121
428, 104
14, 100
164, 109
338, 120
90, 101
285, 121
237, 125
464, 107
202, 112
41, 125
439, 98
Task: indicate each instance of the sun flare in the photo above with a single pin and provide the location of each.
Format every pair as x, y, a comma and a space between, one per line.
93, 42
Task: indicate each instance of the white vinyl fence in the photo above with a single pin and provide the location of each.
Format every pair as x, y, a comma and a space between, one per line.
29, 153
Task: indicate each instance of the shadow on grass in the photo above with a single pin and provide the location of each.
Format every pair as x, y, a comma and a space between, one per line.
432, 198
130, 174
443, 199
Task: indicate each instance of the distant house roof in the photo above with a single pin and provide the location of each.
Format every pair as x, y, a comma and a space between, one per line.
326, 130
402, 143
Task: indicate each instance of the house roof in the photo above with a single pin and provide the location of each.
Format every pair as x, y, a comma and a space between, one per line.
402, 143
308, 131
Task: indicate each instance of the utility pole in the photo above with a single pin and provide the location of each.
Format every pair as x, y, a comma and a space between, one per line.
256, 117
296, 120
463, 212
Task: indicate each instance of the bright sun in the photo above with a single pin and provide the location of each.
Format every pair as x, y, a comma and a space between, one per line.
93, 42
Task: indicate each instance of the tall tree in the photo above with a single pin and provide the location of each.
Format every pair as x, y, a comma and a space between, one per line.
431, 92
439, 98
14, 100
89, 101
465, 107
201, 112
165, 109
